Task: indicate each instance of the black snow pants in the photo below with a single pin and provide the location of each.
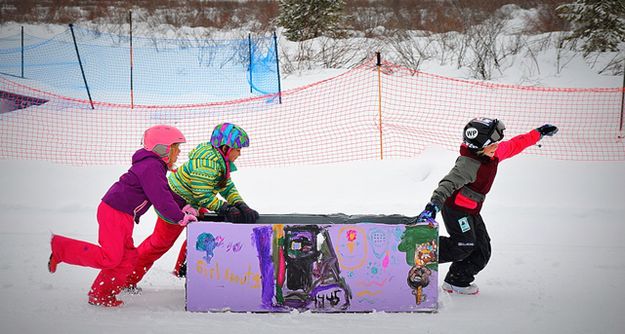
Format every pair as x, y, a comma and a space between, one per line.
467, 247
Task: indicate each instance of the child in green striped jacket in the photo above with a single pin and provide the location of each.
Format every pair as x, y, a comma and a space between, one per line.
197, 183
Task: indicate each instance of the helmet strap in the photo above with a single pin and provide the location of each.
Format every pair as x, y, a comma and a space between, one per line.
224, 150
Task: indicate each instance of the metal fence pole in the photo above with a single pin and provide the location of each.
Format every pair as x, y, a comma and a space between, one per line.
379, 66
275, 44
132, 92
84, 78
249, 49
620, 129
22, 51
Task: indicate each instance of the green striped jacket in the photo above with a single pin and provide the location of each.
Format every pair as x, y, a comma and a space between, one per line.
197, 179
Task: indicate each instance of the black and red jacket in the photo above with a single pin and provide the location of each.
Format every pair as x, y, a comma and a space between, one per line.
471, 178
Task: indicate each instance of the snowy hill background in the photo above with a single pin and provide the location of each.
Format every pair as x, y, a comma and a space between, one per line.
556, 229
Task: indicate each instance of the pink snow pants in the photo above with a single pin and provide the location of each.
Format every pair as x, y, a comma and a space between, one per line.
153, 247
116, 255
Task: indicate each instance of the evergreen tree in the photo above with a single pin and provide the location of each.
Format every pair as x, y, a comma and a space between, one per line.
305, 19
601, 23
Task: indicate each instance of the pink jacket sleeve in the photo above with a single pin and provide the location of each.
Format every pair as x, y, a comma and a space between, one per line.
509, 148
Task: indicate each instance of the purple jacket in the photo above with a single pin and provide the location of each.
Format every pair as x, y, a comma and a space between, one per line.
143, 185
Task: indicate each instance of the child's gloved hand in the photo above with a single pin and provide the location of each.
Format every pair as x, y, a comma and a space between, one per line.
187, 219
231, 213
547, 130
202, 212
249, 215
428, 213
188, 209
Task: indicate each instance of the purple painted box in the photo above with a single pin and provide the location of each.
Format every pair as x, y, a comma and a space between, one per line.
318, 263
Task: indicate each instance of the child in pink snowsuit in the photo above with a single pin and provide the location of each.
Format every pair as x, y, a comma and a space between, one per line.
197, 183
144, 184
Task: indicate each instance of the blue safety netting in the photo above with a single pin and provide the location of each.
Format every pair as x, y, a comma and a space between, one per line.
164, 71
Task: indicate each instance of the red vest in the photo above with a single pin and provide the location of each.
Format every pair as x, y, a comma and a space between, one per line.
468, 200
471, 197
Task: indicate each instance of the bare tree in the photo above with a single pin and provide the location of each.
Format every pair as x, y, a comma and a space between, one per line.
487, 53
336, 53
410, 51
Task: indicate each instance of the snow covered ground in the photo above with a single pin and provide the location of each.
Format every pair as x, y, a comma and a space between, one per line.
556, 227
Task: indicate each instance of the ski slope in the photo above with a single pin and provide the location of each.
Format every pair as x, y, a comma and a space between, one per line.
557, 232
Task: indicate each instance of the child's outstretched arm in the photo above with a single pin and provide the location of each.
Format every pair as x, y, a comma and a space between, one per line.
509, 148
516, 145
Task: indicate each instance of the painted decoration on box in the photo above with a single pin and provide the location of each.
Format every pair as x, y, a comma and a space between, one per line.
359, 267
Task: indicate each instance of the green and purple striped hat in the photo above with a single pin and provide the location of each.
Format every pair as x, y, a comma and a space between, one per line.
230, 135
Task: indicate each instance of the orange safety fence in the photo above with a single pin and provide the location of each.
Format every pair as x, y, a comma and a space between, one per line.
335, 120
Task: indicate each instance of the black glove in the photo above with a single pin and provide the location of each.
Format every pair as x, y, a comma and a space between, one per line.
231, 213
547, 130
250, 215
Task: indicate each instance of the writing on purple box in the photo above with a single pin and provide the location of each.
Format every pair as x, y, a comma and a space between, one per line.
358, 267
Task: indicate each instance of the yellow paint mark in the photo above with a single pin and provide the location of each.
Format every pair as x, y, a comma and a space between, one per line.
216, 273
365, 247
368, 293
